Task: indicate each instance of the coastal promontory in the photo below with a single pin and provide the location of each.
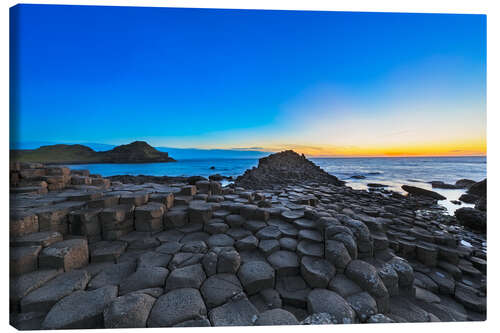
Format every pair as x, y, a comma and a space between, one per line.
135, 152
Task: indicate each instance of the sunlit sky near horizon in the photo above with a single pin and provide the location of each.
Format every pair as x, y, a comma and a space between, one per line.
321, 83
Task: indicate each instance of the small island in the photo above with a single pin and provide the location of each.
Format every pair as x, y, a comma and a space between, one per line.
135, 152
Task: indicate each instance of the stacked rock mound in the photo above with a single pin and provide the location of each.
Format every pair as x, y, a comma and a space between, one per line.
153, 255
35, 178
282, 169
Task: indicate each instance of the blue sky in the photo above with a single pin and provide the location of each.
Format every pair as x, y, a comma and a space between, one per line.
324, 83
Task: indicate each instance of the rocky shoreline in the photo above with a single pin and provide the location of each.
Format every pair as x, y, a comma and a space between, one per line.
284, 245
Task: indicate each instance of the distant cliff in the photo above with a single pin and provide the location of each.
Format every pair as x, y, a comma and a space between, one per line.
135, 152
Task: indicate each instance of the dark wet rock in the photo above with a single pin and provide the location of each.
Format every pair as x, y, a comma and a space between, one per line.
112, 275
288, 244
478, 188
27, 320
276, 317
469, 198
106, 251
291, 215
199, 212
358, 177
417, 191
169, 248
228, 261
310, 248
403, 307
266, 299
426, 296
43, 298
363, 304
177, 306
248, 243
481, 204
183, 259
379, 318
445, 282
270, 232
404, 271
311, 235
218, 289
81, 309
202, 322
317, 272
170, 236
43, 239
186, 277
26, 283
269, 246
293, 290
216, 227
349, 243
286, 167
69, 254
376, 185
390, 279
129, 311
256, 276
327, 301
464, 183
235, 221
144, 278
239, 312
319, 319
443, 185
25, 259
343, 286
470, 299
153, 259
337, 254
284, 262
238, 233
472, 218
195, 247
366, 276
219, 240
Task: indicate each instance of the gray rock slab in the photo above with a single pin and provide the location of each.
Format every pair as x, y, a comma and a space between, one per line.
80, 310
43, 298
144, 278
256, 276
284, 262
69, 254
128, 311
316, 271
112, 275
26, 283
234, 313
327, 301
219, 288
364, 305
177, 306
186, 277
276, 317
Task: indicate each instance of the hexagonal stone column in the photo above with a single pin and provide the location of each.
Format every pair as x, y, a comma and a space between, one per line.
68, 254
256, 276
177, 306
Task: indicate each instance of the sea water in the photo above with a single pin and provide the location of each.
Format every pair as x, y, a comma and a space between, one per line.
392, 172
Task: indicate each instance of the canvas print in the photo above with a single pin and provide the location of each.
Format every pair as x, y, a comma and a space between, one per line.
175, 167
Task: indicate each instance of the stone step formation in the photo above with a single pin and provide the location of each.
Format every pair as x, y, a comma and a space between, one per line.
87, 253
